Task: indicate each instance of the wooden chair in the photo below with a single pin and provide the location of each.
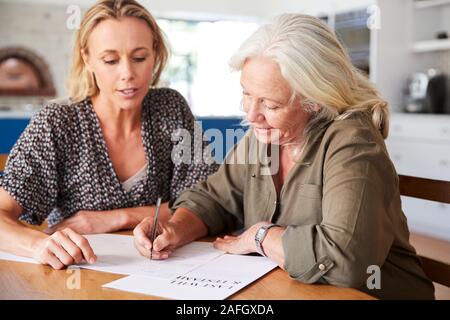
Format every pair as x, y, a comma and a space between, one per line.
3, 158
435, 190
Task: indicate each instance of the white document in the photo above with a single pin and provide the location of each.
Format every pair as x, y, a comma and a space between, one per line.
12, 257
214, 280
117, 254
195, 271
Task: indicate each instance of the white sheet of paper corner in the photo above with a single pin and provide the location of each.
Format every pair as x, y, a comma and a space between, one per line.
12, 257
215, 280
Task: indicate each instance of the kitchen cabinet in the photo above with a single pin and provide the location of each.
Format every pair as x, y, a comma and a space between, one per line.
430, 17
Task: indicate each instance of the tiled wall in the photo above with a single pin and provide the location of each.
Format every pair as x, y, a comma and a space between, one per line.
41, 28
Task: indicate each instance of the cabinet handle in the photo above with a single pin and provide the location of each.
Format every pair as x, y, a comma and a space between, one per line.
445, 130
444, 163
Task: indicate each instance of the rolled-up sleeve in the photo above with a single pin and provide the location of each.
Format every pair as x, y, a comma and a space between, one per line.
218, 201
31, 170
356, 228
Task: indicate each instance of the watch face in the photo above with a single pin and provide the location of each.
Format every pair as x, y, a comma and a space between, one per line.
260, 233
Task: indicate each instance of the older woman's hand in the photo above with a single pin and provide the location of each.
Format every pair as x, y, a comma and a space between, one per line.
242, 244
182, 228
144, 245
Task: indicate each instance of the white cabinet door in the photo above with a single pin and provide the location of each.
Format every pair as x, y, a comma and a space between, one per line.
428, 128
420, 159
427, 217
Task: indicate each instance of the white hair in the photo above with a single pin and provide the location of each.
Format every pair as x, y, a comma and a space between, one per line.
318, 69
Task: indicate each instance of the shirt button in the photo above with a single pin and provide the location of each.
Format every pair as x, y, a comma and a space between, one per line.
322, 267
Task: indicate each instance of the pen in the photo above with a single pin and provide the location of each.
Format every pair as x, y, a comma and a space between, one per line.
155, 224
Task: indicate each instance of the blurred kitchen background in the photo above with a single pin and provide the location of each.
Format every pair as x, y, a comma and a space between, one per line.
402, 45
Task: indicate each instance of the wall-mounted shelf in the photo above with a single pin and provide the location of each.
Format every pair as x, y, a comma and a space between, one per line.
431, 45
430, 3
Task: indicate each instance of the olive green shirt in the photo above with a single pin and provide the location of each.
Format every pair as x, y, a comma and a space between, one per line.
340, 205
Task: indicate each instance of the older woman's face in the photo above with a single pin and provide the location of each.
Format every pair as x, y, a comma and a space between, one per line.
121, 56
266, 102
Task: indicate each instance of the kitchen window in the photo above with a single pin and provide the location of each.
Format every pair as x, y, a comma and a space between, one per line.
198, 66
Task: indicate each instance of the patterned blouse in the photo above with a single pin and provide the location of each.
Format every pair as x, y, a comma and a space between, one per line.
60, 164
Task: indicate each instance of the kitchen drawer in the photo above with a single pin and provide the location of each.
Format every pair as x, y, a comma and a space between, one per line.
420, 127
427, 217
426, 160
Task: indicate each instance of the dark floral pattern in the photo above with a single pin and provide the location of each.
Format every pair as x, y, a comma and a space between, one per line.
60, 164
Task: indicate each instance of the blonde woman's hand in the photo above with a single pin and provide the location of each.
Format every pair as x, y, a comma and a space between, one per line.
63, 248
89, 222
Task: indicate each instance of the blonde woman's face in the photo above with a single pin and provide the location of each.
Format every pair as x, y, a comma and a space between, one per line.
266, 96
121, 56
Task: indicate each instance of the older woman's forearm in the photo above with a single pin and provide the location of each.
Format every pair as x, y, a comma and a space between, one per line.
188, 226
273, 246
129, 218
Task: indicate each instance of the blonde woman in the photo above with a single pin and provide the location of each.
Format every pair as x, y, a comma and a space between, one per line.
330, 212
98, 163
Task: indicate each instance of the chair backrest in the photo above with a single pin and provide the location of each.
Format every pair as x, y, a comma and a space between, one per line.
435, 190
3, 158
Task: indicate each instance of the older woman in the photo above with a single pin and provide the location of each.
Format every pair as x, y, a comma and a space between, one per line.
99, 162
329, 209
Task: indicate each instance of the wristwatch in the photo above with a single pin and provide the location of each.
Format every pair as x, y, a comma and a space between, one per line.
260, 235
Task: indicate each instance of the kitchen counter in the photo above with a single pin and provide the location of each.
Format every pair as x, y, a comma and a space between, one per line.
17, 114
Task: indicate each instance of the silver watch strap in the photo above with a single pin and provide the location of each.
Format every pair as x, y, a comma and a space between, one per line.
260, 235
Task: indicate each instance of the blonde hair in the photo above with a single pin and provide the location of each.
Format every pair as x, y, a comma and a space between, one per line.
81, 83
318, 69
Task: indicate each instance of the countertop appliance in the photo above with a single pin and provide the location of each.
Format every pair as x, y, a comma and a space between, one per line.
427, 92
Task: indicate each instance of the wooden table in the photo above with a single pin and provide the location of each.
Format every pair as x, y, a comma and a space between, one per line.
29, 281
